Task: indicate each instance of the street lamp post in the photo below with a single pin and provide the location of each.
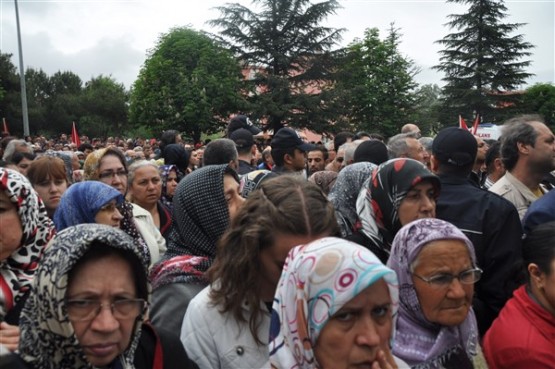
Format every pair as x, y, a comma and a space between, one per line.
22, 78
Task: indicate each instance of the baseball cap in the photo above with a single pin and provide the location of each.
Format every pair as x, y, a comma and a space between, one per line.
241, 121
242, 137
286, 138
455, 146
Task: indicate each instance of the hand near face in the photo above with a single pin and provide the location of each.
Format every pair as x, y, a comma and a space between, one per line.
384, 360
9, 336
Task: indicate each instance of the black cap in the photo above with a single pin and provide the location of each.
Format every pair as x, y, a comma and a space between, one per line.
372, 151
242, 137
241, 121
455, 146
287, 138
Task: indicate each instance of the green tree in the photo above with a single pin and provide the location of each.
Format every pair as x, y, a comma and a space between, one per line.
104, 106
427, 109
64, 103
375, 84
482, 59
288, 51
540, 99
187, 83
10, 103
39, 93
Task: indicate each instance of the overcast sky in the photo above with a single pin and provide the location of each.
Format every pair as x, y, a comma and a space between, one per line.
93, 37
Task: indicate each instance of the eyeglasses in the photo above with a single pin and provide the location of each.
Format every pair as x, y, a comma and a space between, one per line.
84, 310
469, 276
122, 173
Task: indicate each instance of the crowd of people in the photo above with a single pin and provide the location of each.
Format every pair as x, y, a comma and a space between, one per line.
258, 251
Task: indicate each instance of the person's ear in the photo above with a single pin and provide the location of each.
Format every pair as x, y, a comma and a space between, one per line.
287, 159
434, 164
523, 148
498, 164
537, 277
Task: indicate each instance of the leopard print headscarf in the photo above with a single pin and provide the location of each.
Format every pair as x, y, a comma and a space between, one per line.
18, 270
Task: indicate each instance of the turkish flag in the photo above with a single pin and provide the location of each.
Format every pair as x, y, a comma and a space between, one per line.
74, 136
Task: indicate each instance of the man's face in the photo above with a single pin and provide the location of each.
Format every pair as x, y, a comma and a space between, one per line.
482, 150
297, 160
415, 150
542, 155
316, 161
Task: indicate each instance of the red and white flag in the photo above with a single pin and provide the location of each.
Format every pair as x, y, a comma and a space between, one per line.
462, 123
5, 130
475, 125
74, 136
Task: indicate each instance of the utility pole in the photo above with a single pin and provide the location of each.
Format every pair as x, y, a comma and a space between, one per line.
22, 78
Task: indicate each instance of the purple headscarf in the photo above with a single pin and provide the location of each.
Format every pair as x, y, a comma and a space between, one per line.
419, 342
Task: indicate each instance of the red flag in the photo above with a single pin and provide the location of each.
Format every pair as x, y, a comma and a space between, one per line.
462, 123
475, 125
5, 130
74, 136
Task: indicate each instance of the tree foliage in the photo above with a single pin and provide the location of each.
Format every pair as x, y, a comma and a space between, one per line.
427, 109
482, 59
540, 99
375, 84
187, 83
288, 51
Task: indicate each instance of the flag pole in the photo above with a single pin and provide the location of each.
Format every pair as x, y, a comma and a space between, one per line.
22, 77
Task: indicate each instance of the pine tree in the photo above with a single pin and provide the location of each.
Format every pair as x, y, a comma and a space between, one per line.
482, 61
284, 44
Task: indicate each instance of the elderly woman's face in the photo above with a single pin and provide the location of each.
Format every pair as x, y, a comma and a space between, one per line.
146, 187
354, 335
419, 203
10, 230
448, 305
109, 215
171, 183
106, 280
232, 195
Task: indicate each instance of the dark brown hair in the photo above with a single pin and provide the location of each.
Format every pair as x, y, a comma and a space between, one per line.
285, 204
46, 168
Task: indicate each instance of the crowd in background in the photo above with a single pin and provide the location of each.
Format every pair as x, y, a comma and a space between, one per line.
258, 251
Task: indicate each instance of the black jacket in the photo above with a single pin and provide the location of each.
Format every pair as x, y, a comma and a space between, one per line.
493, 225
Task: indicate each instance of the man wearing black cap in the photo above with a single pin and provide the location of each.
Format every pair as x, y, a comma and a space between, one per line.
241, 121
289, 151
489, 221
246, 148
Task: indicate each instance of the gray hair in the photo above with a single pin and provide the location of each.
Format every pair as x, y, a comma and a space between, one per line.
137, 165
12, 148
350, 148
397, 145
517, 130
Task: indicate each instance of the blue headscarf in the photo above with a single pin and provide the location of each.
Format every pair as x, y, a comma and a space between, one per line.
81, 201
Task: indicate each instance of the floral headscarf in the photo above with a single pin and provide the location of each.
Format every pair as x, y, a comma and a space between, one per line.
344, 194
317, 280
47, 336
165, 171
325, 179
82, 201
200, 217
18, 270
419, 342
379, 200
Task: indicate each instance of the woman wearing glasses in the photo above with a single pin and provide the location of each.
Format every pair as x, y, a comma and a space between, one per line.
88, 306
436, 267
109, 166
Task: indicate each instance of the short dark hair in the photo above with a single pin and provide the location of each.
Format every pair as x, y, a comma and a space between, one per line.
322, 149
538, 247
493, 153
85, 146
341, 138
18, 156
517, 130
220, 151
278, 155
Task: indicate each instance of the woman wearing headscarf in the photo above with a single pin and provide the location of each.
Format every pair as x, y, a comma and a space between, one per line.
175, 154
169, 184
89, 202
398, 192
204, 203
25, 230
334, 307
110, 167
325, 179
88, 307
227, 324
344, 192
436, 267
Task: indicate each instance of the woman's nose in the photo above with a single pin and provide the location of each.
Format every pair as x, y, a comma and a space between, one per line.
367, 334
456, 289
105, 321
117, 215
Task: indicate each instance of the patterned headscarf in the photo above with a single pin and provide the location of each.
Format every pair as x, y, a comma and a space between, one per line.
378, 203
325, 179
317, 280
47, 336
419, 342
91, 173
344, 194
18, 270
200, 217
165, 171
82, 201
